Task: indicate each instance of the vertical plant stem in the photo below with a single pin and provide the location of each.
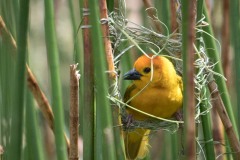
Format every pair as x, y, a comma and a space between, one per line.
110, 5
74, 113
235, 41
188, 36
77, 45
106, 40
78, 55
164, 153
53, 60
174, 145
168, 17
127, 62
206, 121
7, 75
226, 42
34, 144
118, 137
15, 149
207, 131
104, 125
217, 128
174, 24
166, 13
88, 109
218, 133
10, 13
214, 57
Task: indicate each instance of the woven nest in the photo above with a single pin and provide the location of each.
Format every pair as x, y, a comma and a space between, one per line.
168, 45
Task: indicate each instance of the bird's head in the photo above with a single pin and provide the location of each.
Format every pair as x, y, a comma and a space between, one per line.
159, 68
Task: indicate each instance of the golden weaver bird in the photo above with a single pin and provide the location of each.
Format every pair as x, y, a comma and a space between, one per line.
161, 97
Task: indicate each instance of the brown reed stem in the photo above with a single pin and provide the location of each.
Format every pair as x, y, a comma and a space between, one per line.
188, 32
218, 104
106, 40
112, 76
174, 24
226, 42
74, 112
88, 109
218, 134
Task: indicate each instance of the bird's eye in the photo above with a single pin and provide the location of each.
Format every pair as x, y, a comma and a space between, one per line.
146, 70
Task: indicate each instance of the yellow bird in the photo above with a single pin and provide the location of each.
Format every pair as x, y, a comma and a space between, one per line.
161, 97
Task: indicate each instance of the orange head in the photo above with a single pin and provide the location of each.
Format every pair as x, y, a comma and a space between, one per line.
157, 72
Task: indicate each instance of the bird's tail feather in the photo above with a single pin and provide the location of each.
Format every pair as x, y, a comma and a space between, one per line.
136, 143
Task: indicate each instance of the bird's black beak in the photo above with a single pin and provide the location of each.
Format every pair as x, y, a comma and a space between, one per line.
132, 75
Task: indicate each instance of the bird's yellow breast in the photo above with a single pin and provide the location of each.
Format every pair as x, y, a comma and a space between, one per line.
160, 102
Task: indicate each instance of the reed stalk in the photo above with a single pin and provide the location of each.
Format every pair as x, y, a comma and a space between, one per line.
235, 41
113, 79
15, 148
188, 39
88, 108
214, 58
205, 118
34, 140
74, 112
226, 56
53, 60
105, 146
